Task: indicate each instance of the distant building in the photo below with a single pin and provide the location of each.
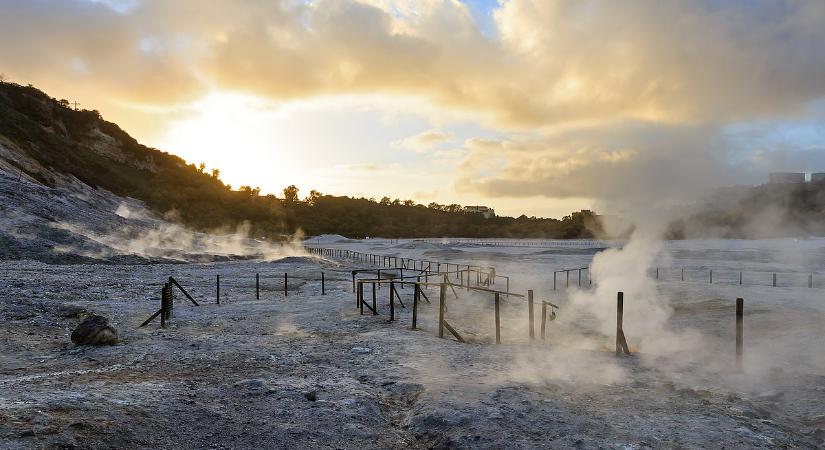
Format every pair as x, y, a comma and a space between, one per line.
786, 177
817, 177
483, 210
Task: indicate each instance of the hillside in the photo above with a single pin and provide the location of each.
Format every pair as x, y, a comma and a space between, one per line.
45, 139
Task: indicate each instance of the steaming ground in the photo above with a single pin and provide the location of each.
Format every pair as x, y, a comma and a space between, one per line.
244, 374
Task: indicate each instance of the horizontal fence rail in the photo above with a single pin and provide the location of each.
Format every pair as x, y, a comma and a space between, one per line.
810, 280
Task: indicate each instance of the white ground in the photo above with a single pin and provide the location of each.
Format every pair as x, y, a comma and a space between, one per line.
242, 374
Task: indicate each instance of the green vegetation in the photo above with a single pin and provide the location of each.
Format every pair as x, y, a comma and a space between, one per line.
69, 142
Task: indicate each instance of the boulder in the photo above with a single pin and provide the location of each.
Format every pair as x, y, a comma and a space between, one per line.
95, 330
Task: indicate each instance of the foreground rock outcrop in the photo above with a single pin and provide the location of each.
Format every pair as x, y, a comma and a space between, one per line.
95, 330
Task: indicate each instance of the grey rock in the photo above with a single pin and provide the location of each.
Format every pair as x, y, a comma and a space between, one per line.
95, 330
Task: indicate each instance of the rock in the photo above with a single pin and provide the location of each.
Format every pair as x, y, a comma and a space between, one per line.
95, 330
70, 311
361, 350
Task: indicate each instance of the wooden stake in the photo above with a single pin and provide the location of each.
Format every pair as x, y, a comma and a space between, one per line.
415, 306
392, 301
498, 320
218, 289
543, 318
323, 285
531, 331
441, 305
286, 288
740, 306
621, 342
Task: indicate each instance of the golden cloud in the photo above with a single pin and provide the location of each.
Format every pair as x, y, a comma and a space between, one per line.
551, 62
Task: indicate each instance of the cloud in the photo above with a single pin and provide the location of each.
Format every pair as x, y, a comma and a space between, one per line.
424, 141
369, 168
550, 63
621, 163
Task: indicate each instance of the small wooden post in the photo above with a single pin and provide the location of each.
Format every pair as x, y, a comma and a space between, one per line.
740, 277
257, 286
683, 274
442, 304
621, 342
567, 283
286, 289
361, 296
530, 327
543, 318
218, 288
353, 281
498, 319
774, 280
711, 276
554, 279
323, 285
392, 301
657, 273
580, 278
374, 302
163, 304
740, 306
415, 305
379, 278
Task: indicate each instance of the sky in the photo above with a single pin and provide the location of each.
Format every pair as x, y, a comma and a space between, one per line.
537, 107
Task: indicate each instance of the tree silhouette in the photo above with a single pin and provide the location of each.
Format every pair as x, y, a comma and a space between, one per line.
291, 194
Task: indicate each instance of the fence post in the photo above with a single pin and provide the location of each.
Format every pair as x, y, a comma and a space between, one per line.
554, 279
621, 341
740, 306
498, 319
218, 288
353, 281
441, 306
415, 305
711, 276
360, 296
530, 314
657, 273
163, 302
740, 277
774, 280
323, 285
374, 302
286, 289
683, 274
392, 301
543, 318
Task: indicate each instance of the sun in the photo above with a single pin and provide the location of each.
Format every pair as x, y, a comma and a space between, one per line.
235, 133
